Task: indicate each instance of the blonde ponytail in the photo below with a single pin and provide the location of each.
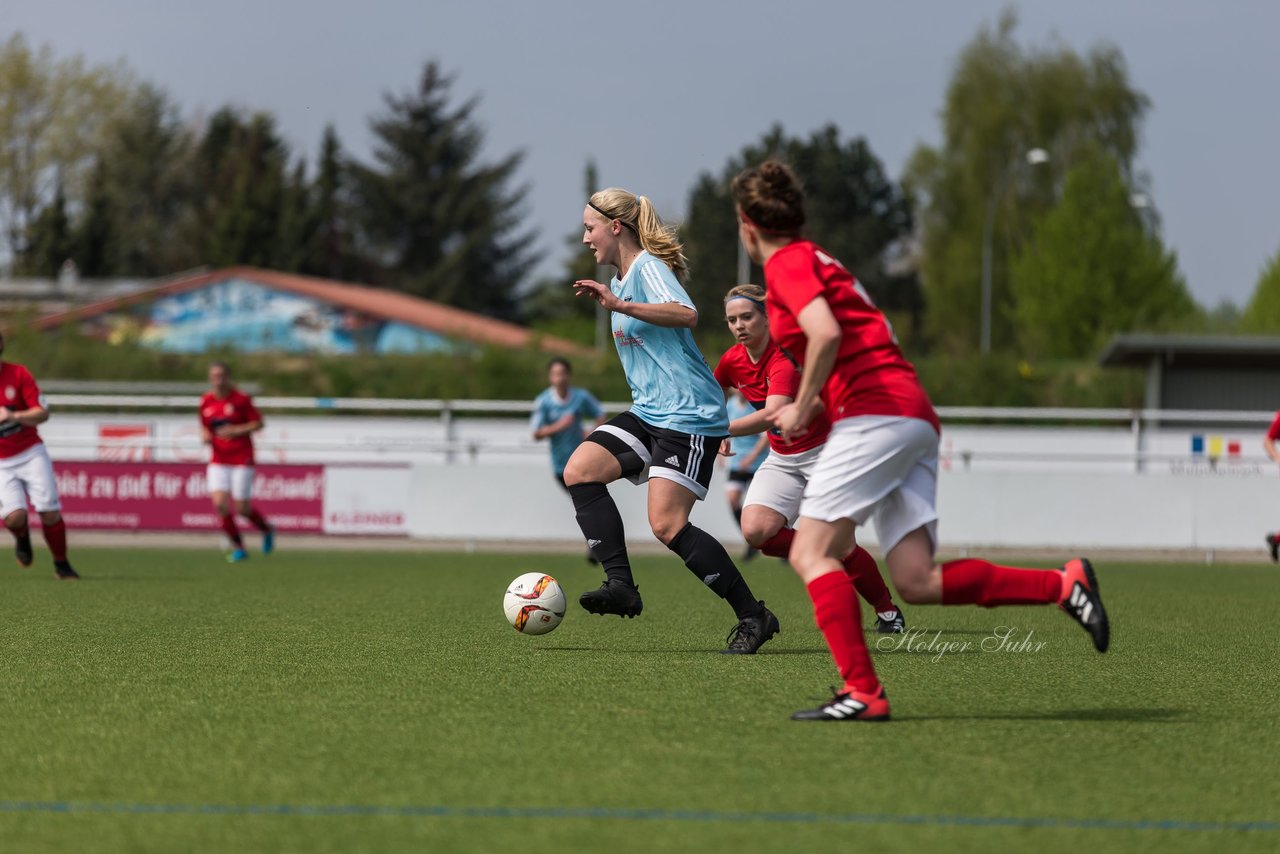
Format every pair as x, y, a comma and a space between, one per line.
655, 237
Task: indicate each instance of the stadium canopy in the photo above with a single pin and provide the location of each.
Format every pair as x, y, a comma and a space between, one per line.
1201, 372
253, 310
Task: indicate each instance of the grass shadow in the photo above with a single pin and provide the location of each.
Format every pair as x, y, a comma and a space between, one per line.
1156, 715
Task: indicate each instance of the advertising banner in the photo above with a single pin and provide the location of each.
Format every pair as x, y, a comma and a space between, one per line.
175, 497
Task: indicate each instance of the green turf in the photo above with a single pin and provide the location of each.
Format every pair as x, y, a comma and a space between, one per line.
170, 678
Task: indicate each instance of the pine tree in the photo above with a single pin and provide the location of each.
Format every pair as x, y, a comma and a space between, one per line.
438, 223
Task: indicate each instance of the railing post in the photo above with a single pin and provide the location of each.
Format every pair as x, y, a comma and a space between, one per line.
446, 418
1139, 464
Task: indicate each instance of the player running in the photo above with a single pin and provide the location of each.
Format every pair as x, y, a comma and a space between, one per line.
26, 472
769, 378
558, 413
672, 432
880, 460
228, 420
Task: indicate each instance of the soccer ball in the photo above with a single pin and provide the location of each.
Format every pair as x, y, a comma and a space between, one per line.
534, 603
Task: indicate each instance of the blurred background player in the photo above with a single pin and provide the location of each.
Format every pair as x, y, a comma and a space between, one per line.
742, 456
768, 378
879, 461
671, 434
558, 413
1269, 445
228, 420
26, 472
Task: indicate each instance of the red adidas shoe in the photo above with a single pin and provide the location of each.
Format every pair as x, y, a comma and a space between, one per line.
849, 706
1082, 603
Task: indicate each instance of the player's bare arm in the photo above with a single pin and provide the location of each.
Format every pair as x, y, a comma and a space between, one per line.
234, 431
564, 422
32, 417
761, 420
1269, 445
823, 333
669, 314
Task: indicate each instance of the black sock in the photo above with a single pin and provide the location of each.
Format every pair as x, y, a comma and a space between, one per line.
601, 524
737, 517
708, 560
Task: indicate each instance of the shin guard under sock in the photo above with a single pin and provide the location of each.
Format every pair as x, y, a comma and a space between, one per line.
979, 582
708, 560
601, 525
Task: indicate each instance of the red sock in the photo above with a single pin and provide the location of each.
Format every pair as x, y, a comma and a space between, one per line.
861, 567
978, 582
55, 536
232, 532
779, 545
835, 608
257, 519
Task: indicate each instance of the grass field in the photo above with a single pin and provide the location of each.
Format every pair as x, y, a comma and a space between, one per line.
347, 702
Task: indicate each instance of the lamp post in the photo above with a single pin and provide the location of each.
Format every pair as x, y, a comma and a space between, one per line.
1034, 157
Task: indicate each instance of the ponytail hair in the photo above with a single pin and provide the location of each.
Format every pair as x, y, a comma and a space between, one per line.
637, 213
770, 197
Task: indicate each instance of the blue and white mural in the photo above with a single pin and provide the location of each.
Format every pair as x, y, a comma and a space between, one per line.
251, 318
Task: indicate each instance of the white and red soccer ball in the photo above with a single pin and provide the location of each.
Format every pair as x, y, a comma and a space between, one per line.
534, 603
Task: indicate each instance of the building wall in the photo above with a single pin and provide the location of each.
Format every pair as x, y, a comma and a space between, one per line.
1220, 388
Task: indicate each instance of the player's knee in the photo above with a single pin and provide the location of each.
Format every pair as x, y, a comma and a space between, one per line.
757, 532
50, 517
915, 584
574, 475
16, 520
243, 507
580, 470
665, 527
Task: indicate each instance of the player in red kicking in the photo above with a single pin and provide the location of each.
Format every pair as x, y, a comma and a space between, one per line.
228, 420
768, 378
26, 472
880, 460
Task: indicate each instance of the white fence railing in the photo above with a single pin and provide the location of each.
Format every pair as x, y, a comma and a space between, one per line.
473, 430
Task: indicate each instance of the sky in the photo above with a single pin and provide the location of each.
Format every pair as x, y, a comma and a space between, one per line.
659, 92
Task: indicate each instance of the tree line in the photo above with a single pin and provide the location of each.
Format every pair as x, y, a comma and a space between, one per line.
1033, 184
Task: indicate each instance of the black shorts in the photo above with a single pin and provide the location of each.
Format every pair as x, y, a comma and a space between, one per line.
741, 477
647, 452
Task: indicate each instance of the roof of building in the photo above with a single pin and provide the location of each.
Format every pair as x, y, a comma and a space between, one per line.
375, 302
1187, 351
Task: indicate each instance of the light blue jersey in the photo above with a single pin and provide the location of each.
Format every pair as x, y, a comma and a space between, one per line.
742, 445
548, 408
671, 385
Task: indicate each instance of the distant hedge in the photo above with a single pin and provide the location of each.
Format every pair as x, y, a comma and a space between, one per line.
497, 374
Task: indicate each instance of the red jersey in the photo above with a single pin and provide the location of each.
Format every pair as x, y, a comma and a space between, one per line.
1274, 433
19, 392
870, 375
236, 408
775, 373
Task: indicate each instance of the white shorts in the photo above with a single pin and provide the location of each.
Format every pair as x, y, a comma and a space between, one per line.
780, 481
879, 467
28, 475
238, 480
